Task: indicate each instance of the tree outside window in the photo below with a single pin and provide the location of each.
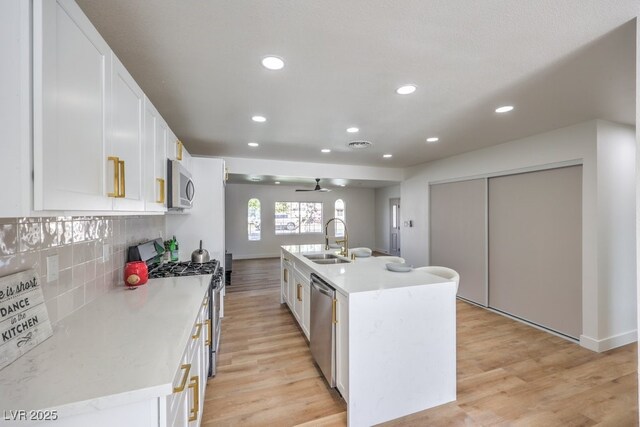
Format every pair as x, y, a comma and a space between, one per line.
298, 217
253, 219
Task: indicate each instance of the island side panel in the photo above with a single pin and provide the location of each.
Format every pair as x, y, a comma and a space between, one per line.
402, 352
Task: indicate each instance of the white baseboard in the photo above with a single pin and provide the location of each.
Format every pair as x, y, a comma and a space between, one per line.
609, 342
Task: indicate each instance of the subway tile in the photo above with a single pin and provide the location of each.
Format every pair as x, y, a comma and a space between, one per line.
8, 239
66, 238
78, 275
30, 236
90, 271
51, 233
100, 285
49, 289
65, 280
19, 262
79, 230
90, 291
65, 254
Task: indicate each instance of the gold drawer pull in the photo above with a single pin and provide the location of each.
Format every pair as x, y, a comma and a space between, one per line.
197, 334
179, 150
209, 332
123, 189
185, 375
195, 385
116, 176
160, 182
299, 292
206, 302
333, 311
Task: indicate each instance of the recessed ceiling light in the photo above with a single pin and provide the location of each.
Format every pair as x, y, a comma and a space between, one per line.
325, 150
343, 185
353, 130
255, 179
387, 156
406, 89
259, 119
253, 144
277, 182
433, 139
272, 63
504, 109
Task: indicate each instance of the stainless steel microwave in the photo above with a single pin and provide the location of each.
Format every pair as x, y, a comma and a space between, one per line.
180, 186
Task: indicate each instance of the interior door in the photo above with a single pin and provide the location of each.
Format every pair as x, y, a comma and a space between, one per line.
394, 238
535, 247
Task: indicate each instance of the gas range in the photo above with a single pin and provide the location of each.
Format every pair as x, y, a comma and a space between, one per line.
174, 269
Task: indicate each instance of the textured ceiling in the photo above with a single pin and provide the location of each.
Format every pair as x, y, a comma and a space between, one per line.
558, 62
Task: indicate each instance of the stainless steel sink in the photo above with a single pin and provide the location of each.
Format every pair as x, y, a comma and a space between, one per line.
321, 256
326, 259
330, 261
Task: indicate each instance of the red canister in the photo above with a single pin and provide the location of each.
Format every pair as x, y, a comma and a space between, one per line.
136, 273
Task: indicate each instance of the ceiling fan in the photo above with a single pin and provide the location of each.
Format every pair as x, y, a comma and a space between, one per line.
318, 188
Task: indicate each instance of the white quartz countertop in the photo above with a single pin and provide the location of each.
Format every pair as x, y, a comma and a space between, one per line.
362, 274
124, 346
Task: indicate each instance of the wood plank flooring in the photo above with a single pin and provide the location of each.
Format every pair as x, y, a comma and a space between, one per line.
509, 374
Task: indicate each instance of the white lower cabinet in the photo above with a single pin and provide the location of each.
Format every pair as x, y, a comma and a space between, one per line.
185, 405
342, 345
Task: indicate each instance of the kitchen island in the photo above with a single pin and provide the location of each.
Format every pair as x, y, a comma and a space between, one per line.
395, 332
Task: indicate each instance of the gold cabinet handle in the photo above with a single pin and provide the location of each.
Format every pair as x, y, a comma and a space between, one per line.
209, 332
123, 191
179, 150
116, 176
334, 319
286, 275
299, 293
185, 375
160, 182
198, 330
195, 385
205, 302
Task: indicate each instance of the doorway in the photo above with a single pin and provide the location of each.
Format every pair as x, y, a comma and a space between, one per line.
394, 237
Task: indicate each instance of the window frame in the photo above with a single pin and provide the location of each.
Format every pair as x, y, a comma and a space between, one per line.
343, 217
297, 231
259, 220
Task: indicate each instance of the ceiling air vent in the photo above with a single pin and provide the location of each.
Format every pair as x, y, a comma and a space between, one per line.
359, 144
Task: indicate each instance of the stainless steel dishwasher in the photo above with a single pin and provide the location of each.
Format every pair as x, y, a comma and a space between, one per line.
322, 334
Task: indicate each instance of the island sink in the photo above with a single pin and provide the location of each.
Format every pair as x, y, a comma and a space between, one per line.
326, 259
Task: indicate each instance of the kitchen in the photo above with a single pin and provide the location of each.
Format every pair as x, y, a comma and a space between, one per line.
62, 222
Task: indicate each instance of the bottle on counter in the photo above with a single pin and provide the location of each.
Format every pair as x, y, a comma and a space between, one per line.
173, 247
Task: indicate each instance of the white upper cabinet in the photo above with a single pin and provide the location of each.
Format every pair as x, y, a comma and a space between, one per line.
125, 141
155, 159
72, 79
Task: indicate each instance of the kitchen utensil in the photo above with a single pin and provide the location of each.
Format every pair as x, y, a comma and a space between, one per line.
136, 273
200, 255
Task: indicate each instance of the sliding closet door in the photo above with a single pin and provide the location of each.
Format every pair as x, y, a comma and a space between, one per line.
535, 247
458, 234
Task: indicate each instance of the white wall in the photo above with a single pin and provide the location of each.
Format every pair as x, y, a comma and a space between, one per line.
205, 220
359, 207
603, 327
383, 220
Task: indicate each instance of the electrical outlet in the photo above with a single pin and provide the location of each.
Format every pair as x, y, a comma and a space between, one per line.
106, 250
52, 268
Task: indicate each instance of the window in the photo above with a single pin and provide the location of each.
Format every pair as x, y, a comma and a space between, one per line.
298, 217
339, 207
253, 219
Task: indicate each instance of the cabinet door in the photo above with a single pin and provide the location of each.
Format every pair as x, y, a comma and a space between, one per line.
125, 139
342, 345
71, 78
297, 302
284, 280
172, 146
306, 307
154, 160
291, 286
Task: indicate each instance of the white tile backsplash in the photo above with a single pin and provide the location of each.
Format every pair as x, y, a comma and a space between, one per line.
79, 242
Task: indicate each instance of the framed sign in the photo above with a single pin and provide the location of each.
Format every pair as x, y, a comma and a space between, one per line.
24, 321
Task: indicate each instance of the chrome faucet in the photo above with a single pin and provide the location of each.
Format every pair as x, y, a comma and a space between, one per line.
344, 250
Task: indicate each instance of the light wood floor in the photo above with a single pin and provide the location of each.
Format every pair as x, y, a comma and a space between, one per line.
509, 374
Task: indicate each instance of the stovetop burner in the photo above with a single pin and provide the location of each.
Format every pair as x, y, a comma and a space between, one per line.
173, 269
